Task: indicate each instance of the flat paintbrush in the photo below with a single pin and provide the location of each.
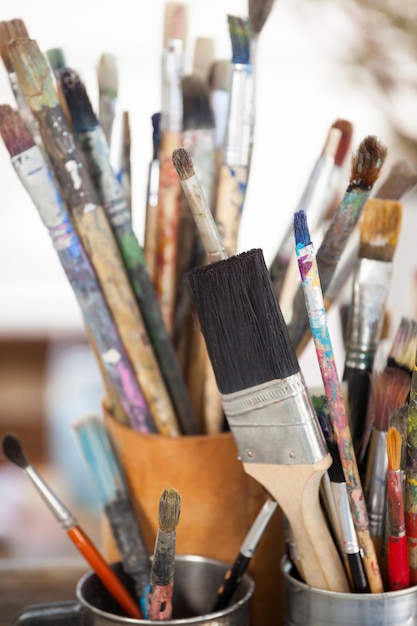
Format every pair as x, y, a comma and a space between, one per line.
267, 404
106, 471
92, 225
90, 138
379, 230
35, 174
365, 169
13, 451
310, 280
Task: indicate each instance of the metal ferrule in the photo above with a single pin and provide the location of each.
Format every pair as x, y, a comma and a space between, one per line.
257, 529
153, 182
376, 481
239, 126
36, 177
275, 423
348, 536
62, 514
172, 70
370, 290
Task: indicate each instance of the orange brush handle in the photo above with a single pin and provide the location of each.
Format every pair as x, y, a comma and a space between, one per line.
104, 572
398, 569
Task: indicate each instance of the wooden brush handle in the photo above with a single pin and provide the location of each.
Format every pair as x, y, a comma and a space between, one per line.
229, 204
296, 489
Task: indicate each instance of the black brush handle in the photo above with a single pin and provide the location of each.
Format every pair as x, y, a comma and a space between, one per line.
359, 386
54, 613
357, 572
231, 581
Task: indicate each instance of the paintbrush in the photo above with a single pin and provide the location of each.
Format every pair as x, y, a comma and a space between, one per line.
234, 169
90, 138
266, 402
404, 346
92, 226
234, 574
99, 454
337, 500
311, 201
13, 451
126, 168
108, 89
34, 172
169, 193
56, 59
365, 169
411, 480
310, 280
389, 390
398, 570
205, 382
219, 80
335, 188
152, 194
203, 56
379, 229
163, 562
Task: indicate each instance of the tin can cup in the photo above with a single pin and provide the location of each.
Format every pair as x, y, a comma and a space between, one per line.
307, 606
197, 579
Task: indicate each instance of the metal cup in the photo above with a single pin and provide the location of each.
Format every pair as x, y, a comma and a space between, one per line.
197, 579
306, 606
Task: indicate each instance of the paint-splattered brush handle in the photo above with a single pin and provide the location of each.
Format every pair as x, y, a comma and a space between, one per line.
229, 204
397, 551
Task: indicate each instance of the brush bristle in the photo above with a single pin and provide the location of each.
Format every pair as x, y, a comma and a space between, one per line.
379, 229
108, 75
402, 177
219, 75
404, 346
346, 129
389, 391
9, 30
78, 102
15, 134
367, 163
13, 451
169, 510
245, 332
398, 418
156, 134
183, 163
56, 58
240, 35
301, 230
394, 444
197, 111
259, 11
204, 54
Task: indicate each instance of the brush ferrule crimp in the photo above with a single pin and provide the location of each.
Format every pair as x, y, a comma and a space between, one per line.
376, 481
62, 514
370, 290
240, 119
348, 537
275, 423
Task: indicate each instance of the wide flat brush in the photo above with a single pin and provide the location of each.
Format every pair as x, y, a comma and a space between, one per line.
379, 230
365, 169
90, 138
34, 172
163, 562
310, 280
236, 151
266, 402
13, 451
106, 471
92, 226
397, 552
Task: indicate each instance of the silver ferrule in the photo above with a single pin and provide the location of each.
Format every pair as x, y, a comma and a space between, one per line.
348, 538
62, 514
257, 529
172, 70
275, 423
376, 481
153, 182
371, 284
240, 119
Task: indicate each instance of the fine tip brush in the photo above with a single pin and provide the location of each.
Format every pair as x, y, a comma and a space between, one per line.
266, 402
163, 562
13, 451
107, 473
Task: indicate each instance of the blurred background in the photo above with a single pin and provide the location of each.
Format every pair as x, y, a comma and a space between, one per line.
317, 61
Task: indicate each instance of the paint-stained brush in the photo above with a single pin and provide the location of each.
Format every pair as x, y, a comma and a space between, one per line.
411, 479
13, 451
90, 138
402, 353
108, 91
92, 226
106, 471
152, 195
34, 172
366, 165
266, 402
163, 562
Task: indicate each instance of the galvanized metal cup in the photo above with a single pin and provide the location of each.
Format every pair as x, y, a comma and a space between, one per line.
306, 606
197, 579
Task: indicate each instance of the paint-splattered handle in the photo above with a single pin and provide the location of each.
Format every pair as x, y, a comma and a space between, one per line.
229, 204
